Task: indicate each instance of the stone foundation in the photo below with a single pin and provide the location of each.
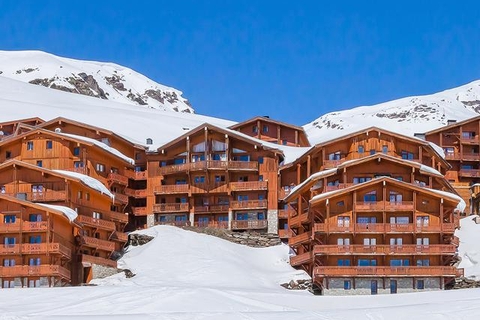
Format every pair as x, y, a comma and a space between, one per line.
272, 217
150, 220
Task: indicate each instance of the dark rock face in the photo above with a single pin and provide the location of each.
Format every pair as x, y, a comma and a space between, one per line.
136, 239
83, 84
464, 283
305, 284
128, 273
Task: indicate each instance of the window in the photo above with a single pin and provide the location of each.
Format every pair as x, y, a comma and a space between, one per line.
343, 221
219, 156
76, 151
2, 189
242, 197
8, 262
242, 216
34, 262
399, 262
423, 221
361, 149
396, 197
367, 262
78, 164
370, 197
79, 195
138, 155
343, 262
243, 178
343, 241
284, 142
34, 217
195, 158
347, 284
449, 150
260, 215
223, 218
423, 262
96, 215
11, 218
87, 196
100, 167
49, 144
340, 203
369, 242
373, 151
35, 239
335, 156
39, 163
176, 161
406, 155
468, 134
199, 179
385, 149
260, 178
396, 241
8, 154
254, 129
420, 284
260, 160
180, 181
9, 241
361, 179
265, 128
29, 145
366, 220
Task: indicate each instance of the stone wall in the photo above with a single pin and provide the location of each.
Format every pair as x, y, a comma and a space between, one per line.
363, 286
272, 217
150, 220
100, 272
251, 239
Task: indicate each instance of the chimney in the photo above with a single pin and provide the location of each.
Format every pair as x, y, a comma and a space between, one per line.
451, 121
268, 117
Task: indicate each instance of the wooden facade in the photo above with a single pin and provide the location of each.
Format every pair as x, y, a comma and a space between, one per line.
460, 142
213, 177
269, 130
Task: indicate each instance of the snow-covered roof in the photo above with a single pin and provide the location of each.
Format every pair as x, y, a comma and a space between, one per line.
313, 177
101, 145
69, 213
89, 181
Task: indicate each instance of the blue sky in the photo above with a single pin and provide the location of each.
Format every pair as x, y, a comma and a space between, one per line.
291, 60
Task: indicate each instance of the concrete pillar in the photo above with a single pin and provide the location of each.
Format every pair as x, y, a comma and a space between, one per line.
230, 218
150, 220
272, 220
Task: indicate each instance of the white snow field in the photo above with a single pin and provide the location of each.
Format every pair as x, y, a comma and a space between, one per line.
185, 275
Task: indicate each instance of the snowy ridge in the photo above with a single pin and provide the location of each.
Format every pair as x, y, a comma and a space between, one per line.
406, 116
107, 81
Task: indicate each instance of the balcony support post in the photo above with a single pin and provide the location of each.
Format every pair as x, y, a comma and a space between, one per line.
230, 218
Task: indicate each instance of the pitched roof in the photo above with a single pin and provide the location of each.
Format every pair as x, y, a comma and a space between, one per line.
265, 119
453, 125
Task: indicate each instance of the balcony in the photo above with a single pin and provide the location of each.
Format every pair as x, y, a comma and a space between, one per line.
96, 223
88, 260
463, 156
210, 164
36, 248
386, 271
115, 216
171, 207
249, 224
298, 220
114, 177
212, 224
24, 226
248, 185
472, 173
333, 228
399, 206
139, 211
97, 243
248, 204
300, 239
399, 227
369, 206
406, 249
285, 213
332, 163
173, 169
338, 186
469, 140
369, 227
171, 189
120, 198
35, 271
214, 208
136, 175
82, 170
119, 236
301, 259
284, 233
141, 193
44, 196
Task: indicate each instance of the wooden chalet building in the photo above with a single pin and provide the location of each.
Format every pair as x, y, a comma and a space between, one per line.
269, 130
216, 177
37, 244
461, 144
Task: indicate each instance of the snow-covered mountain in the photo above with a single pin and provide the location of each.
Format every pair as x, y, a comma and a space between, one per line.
407, 115
106, 81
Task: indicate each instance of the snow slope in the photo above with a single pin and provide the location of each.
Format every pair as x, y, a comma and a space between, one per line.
102, 80
22, 100
469, 249
185, 275
407, 115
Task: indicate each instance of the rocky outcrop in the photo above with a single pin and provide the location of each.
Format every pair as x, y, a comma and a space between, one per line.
137, 239
251, 239
464, 283
81, 84
305, 284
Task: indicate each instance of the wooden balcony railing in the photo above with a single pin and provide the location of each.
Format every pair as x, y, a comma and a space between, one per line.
219, 207
406, 249
248, 224
382, 271
332, 163
284, 191
171, 189
82, 170
382, 227
44, 196
10, 227
469, 140
98, 260
399, 227
36, 248
455, 241
139, 211
201, 209
24, 226
463, 156
249, 204
120, 198
399, 206
96, 223
179, 223
369, 227
284, 233
115, 216
301, 238
210, 164
97, 243
114, 177
298, 219
119, 236
369, 206
248, 185
338, 186
212, 224
171, 207
136, 175
44, 270
285, 213
300, 259
469, 173
141, 193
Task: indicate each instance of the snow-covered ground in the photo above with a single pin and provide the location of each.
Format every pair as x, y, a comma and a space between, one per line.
185, 275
